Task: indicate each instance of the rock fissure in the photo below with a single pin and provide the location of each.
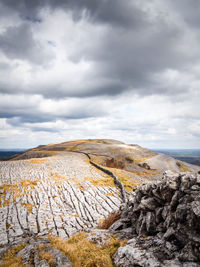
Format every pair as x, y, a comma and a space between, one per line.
111, 174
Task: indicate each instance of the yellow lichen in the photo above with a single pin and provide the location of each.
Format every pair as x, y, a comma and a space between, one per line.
28, 206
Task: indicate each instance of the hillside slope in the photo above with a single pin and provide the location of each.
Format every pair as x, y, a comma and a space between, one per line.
62, 189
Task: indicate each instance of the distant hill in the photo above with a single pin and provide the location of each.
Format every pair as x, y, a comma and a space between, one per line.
191, 156
117, 155
6, 154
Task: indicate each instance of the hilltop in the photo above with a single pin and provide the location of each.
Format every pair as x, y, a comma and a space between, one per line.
66, 188
115, 154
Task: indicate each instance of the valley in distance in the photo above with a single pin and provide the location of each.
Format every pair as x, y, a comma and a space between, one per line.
99, 202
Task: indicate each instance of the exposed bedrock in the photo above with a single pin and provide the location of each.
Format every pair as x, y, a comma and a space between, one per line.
163, 218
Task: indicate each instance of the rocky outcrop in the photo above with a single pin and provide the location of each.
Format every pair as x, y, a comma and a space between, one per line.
34, 248
163, 219
62, 195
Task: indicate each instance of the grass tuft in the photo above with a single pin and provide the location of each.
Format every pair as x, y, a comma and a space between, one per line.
84, 253
106, 223
44, 255
10, 259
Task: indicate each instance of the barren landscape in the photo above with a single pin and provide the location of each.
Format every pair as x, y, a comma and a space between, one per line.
65, 189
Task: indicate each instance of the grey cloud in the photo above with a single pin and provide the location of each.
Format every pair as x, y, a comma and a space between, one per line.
43, 129
123, 14
189, 11
21, 110
130, 58
17, 118
17, 42
125, 58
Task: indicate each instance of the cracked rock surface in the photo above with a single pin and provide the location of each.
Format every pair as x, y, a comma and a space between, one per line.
63, 189
61, 195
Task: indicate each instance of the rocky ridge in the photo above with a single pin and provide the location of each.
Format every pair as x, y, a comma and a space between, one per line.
163, 219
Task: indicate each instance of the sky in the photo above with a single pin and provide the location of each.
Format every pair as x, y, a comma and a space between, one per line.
122, 69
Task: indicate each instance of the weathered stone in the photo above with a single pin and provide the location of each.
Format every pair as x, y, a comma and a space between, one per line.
59, 258
150, 222
168, 230
118, 225
187, 181
148, 204
196, 207
99, 236
43, 263
26, 253
131, 255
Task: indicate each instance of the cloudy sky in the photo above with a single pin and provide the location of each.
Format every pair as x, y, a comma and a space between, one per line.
122, 69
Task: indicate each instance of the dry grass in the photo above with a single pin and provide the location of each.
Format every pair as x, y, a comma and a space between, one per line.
120, 174
10, 259
18, 195
84, 253
30, 183
15, 190
37, 161
128, 182
44, 255
103, 181
28, 206
182, 167
106, 223
7, 188
6, 203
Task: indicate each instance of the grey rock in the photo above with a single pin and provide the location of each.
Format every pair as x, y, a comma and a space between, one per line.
150, 222
131, 255
196, 207
26, 253
148, 204
168, 229
60, 259
43, 263
99, 236
3, 251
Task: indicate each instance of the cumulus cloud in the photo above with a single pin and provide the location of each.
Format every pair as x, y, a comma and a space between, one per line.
121, 69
